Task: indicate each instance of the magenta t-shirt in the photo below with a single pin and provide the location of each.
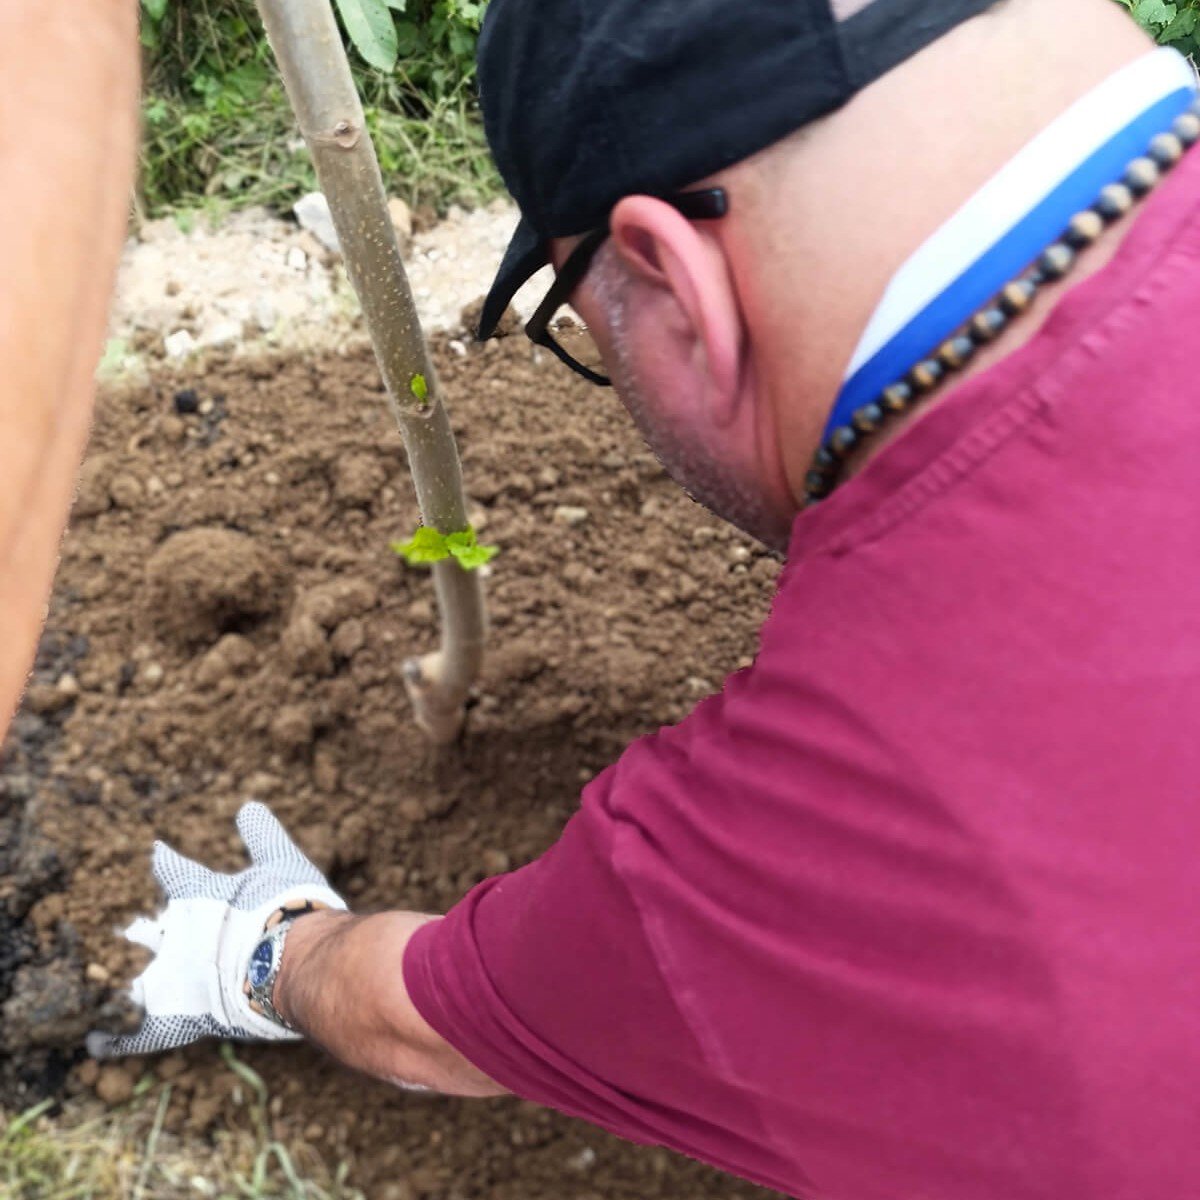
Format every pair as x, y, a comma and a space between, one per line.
912, 910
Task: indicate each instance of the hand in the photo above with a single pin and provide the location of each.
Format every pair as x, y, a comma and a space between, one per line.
203, 939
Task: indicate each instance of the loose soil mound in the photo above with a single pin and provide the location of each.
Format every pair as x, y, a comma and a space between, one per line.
230, 623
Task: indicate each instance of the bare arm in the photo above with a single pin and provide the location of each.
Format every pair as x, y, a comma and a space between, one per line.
68, 99
341, 984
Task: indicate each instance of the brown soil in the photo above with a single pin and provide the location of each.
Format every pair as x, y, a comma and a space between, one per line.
230, 623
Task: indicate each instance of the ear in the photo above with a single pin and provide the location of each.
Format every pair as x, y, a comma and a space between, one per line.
693, 301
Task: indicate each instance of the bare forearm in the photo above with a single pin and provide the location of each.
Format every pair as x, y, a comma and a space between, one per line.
67, 139
342, 986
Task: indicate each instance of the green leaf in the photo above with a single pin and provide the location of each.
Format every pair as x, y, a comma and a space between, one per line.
427, 546
155, 9
1155, 12
419, 389
372, 30
398, 5
466, 549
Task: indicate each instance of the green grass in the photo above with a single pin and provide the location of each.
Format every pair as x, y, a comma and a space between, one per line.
219, 132
127, 1154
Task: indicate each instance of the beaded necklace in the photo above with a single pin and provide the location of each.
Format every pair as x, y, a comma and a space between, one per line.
1116, 200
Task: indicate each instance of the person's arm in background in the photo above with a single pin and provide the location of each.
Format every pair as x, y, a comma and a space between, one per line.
68, 134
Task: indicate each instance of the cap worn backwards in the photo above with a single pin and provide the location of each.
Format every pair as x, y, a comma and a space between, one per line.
587, 101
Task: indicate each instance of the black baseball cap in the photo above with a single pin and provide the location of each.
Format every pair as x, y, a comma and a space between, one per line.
588, 101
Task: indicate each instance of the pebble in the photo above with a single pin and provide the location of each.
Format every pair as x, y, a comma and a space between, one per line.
114, 1085
266, 315
221, 333
420, 612
97, 973
186, 400
411, 809
297, 260
402, 221
179, 344
312, 211
125, 491
496, 862
566, 514
152, 674
68, 685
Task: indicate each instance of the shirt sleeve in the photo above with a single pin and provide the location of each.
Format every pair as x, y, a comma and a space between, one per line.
545, 981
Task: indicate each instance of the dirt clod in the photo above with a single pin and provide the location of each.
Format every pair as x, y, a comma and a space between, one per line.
202, 583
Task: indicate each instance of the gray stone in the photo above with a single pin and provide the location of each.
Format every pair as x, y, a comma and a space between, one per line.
312, 211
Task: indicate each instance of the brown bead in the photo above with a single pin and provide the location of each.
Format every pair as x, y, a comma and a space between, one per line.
956, 353
1084, 229
1115, 201
868, 418
1056, 261
818, 485
842, 441
1017, 297
987, 325
925, 376
897, 398
1141, 175
1166, 149
1187, 128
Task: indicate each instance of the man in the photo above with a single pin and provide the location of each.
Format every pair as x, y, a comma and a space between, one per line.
911, 908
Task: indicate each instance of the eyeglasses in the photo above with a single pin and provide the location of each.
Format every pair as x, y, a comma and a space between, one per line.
707, 205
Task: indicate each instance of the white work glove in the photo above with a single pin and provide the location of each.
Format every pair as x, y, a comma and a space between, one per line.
203, 939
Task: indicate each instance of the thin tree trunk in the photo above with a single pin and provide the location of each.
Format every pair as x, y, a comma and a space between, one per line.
316, 72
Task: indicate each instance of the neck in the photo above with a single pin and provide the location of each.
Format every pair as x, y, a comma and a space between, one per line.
880, 176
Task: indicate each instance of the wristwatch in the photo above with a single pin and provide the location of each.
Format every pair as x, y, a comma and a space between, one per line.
266, 960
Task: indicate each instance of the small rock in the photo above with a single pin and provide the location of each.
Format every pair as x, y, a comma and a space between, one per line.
88, 1072
152, 674
155, 486
420, 612
312, 211
44, 699
232, 655
325, 770
329, 604
411, 809
348, 638
496, 862
266, 315
221, 333
292, 728
97, 973
92, 497
172, 1066
297, 260
739, 554
114, 1085
457, 347
186, 401
126, 491
566, 514
179, 344
305, 648
68, 685
402, 222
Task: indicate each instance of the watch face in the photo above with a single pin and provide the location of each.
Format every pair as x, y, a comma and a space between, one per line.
261, 962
